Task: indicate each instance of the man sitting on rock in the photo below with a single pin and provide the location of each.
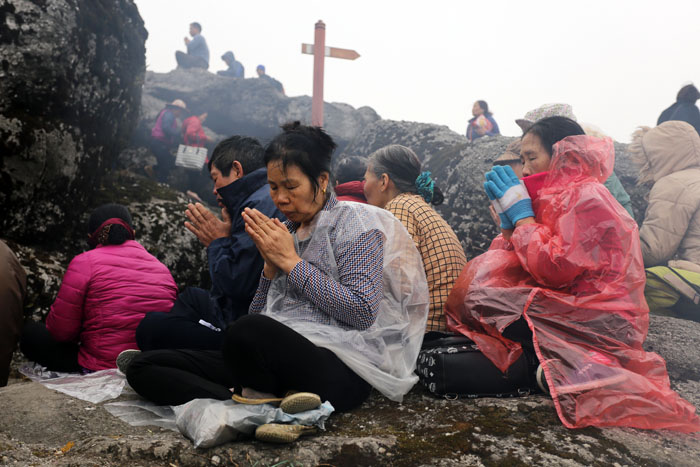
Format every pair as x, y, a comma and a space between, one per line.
13, 286
197, 55
198, 316
260, 70
235, 68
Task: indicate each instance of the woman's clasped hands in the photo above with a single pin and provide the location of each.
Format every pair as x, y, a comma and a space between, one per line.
273, 240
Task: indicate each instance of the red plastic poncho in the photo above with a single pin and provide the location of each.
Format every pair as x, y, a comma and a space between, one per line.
577, 277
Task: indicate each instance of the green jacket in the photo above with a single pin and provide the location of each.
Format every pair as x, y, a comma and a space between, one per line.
618, 191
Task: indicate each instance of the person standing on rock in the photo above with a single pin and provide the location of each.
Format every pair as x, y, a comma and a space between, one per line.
394, 181
197, 55
165, 136
198, 316
260, 70
13, 288
482, 122
235, 68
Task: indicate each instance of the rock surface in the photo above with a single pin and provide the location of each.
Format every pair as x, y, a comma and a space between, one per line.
250, 107
70, 89
37, 423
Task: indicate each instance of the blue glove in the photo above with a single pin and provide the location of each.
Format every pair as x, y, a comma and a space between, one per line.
510, 193
505, 222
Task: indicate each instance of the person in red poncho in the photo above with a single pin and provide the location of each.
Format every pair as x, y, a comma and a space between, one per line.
568, 265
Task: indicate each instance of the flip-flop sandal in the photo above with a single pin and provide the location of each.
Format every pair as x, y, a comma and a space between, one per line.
280, 433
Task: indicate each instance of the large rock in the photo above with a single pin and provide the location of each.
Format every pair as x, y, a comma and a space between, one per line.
37, 423
426, 139
70, 88
251, 107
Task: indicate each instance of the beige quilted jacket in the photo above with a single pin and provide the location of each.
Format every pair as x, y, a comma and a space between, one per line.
669, 155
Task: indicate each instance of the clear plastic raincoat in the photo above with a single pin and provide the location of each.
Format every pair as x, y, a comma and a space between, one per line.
577, 277
385, 354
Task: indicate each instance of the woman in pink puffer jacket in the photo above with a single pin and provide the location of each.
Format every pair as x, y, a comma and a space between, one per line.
105, 294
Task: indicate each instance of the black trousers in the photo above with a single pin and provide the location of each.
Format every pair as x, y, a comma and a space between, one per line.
179, 328
173, 377
259, 353
13, 288
190, 61
166, 160
39, 346
268, 356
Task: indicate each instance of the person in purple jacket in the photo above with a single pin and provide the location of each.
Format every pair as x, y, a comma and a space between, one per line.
482, 122
105, 293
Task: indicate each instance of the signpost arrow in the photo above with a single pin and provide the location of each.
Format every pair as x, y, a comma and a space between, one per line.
315, 49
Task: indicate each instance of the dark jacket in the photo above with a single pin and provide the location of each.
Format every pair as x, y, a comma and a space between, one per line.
234, 262
683, 111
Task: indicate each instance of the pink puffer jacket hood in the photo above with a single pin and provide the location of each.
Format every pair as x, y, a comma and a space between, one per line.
104, 295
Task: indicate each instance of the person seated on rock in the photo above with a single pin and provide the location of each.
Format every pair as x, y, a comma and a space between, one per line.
165, 136
668, 156
563, 287
394, 181
198, 316
684, 109
105, 293
482, 122
349, 179
260, 70
197, 55
13, 288
235, 68
340, 307
564, 110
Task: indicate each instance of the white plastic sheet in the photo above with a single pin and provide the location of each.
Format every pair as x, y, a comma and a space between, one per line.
385, 354
94, 387
140, 412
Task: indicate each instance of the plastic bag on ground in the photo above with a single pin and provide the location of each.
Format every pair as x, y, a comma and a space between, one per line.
208, 422
94, 387
140, 412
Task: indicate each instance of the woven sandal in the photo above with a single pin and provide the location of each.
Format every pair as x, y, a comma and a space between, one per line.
253, 401
280, 433
300, 402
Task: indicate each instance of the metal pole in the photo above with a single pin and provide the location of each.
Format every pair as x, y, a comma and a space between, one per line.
319, 55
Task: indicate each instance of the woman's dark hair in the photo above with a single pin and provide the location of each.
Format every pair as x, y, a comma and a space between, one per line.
117, 233
308, 147
247, 151
551, 130
403, 167
350, 169
485, 107
688, 93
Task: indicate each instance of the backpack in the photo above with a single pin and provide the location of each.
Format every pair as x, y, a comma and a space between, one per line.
673, 291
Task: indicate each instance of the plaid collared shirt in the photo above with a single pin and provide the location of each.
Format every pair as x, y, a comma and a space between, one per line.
350, 302
442, 254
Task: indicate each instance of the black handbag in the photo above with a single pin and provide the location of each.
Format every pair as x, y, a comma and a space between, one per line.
451, 366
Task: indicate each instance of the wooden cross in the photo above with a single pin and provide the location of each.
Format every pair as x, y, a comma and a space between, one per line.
319, 50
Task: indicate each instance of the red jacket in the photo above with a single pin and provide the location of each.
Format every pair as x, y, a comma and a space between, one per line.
104, 295
577, 277
351, 191
193, 133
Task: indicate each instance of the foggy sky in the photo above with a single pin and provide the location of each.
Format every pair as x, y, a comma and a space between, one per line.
619, 63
